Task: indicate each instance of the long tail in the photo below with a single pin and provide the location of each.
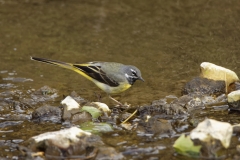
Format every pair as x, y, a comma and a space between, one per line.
63, 65
54, 62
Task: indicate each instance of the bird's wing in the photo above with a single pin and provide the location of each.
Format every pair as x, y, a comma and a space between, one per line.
94, 71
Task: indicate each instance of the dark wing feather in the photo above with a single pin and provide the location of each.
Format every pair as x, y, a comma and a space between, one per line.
96, 73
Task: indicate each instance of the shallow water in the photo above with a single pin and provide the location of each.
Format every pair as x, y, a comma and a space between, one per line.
166, 40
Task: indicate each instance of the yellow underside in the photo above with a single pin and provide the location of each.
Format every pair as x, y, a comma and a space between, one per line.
112, 90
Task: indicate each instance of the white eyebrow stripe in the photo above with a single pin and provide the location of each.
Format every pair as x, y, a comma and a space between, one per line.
133, 70
128, 76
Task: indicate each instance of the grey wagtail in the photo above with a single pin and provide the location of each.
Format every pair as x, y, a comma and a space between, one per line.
111, 77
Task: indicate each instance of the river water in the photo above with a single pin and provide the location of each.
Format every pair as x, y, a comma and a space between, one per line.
166, 40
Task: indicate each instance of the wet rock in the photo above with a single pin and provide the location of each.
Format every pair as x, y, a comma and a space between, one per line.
170, 98
194, 104
183, 106
210, 101
7, 86
161, 107
63, 138
81, 117
179, 109
109, 153
71, 107
218, 73
70, 103
179, 106
47, 113
44, 94
91, 110
45, 90
212, 135
127, 126
17, 79
156, 125
236, 128
10, 123
221, 108
81, 101
183, 100
70, 144
19, 106
144, 151
234, 100
190, 102
204, 86
124, 116
237, 85
17, 117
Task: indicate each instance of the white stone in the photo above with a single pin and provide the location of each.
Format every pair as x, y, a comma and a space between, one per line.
234, 96
212, 71
211, 129
70, 103
71, 134
102, 106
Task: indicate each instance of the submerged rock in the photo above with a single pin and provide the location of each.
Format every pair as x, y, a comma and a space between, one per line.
44, 94
9, 123
156, 125
47, 113
204, 86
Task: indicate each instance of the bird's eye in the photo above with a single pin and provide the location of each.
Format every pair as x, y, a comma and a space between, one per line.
134, 73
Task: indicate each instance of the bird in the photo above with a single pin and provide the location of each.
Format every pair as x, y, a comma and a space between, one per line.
111, 77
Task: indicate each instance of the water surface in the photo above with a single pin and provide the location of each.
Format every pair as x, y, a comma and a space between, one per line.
166, 40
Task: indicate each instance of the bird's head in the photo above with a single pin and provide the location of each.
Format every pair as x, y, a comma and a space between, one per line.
132, 74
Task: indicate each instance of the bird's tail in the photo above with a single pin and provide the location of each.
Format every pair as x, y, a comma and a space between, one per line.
54, 62
64, 65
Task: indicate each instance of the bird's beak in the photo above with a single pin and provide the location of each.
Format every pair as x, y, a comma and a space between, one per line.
140, 78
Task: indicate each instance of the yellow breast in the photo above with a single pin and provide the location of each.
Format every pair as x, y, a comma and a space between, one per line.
113, 90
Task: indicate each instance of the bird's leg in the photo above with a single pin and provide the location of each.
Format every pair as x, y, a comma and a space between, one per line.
119, 103
115, 100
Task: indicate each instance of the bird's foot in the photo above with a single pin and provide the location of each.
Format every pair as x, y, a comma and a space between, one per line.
123, 106
120, 105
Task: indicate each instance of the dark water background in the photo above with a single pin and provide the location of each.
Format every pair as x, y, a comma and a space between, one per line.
166, 40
